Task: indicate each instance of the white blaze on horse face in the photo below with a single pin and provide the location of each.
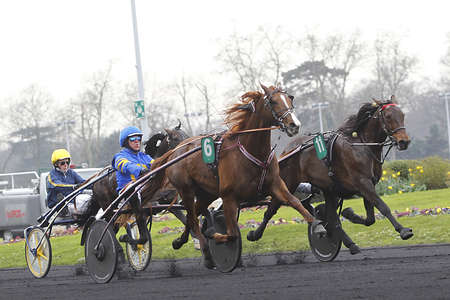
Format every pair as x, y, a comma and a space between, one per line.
283, 96
296, 120
293, 116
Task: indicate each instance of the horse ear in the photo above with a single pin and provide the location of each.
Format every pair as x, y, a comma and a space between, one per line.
168, 131
265, 88
178, 127
393, 99
376, 102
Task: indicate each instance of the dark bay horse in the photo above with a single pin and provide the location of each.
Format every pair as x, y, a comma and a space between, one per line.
247, 168
160, 143
354, 169
104, 191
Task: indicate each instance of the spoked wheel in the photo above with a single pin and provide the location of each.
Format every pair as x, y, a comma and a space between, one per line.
324, 248
39, 259
227, 255
102, 260
139, 256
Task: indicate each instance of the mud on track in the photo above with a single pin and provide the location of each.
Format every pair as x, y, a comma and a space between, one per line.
413, 272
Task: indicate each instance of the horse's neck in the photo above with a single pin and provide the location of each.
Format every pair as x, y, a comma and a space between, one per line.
373, 132
256, 143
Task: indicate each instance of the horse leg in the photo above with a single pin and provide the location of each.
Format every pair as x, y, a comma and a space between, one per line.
350, 215
368, 192
140, 221
193, 209
182, 217
280, 192
201, 207
254, 235
405, 233
188, 201
230, 210
333, 223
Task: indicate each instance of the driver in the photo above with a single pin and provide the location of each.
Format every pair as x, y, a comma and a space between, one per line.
62, 180
130, 162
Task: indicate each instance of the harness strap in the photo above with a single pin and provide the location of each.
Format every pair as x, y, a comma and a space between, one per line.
264, 165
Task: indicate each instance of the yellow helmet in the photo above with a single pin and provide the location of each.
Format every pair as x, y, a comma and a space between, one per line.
59, 154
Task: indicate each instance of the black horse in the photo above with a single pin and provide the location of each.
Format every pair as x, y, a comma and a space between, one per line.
354, 167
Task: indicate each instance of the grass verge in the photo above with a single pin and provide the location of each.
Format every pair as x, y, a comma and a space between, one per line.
286, 237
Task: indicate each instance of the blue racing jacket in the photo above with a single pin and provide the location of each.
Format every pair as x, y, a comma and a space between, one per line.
128, 166
60, 183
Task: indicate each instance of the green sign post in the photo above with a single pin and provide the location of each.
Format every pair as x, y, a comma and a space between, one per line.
139, 109
208, 153
319, 144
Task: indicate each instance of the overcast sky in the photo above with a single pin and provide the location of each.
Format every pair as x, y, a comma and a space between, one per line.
58, 43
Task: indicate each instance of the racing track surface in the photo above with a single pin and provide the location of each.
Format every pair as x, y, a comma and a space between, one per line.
413, 272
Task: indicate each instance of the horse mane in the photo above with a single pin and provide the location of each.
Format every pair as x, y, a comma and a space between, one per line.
358, 121
235, 115
182, 135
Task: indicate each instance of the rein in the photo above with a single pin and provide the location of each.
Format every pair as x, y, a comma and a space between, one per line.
228, 133
383, 144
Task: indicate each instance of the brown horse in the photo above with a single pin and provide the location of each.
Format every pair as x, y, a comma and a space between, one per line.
247, 169
355, 166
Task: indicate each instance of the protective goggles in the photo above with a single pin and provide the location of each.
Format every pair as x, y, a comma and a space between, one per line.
134, 138
63, 162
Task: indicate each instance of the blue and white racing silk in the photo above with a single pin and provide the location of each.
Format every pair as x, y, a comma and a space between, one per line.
61, 183
128, 165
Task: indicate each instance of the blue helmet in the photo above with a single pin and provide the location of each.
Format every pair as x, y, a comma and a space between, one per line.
127, 132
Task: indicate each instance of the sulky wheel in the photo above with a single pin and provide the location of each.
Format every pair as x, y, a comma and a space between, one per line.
139, 255
40, 259
324, 248
225, 255
101, 260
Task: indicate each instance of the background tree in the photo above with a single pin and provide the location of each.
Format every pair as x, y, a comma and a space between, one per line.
89, 111
182, 89
203, 90
393, 67
325, 73
254, 58
30, 118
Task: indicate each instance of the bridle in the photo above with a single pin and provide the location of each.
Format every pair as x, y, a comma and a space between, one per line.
379, 114
281, 115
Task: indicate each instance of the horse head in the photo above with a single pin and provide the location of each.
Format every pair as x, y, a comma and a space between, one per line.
153, 143
280, 104
160, 143
392, 120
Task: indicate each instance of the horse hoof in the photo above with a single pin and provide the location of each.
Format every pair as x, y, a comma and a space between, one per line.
406, 233
251, 236
209, 233
348, 213
354, 249
209, 264
208, 261
177, 243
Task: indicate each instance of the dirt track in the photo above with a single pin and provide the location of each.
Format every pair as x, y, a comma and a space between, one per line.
416, 272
